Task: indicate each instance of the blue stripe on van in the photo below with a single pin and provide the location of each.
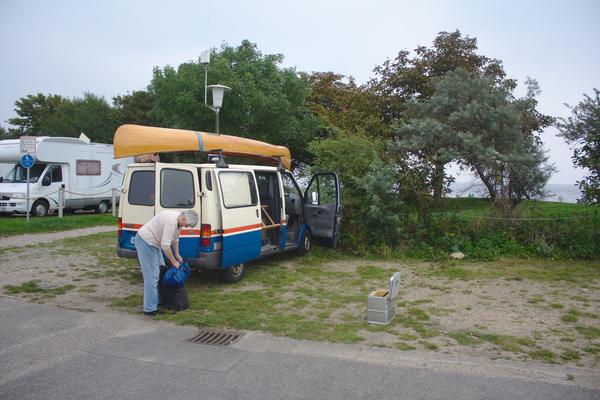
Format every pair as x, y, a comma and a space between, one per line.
188, 246
241, 247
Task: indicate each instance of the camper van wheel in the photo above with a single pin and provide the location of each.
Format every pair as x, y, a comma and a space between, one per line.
306, 244
233, 274
40, 208
102, 207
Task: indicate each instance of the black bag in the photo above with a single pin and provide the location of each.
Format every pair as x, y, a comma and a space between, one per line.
172, 297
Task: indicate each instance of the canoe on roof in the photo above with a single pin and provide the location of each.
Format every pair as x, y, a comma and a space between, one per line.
135, 140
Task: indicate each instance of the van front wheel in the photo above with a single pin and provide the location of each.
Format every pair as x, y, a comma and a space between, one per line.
40, 208
233, 274
305, 244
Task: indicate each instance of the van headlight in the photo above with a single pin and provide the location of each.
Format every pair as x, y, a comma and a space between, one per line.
17, 196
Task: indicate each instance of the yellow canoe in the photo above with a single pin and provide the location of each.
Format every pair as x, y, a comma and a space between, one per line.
134, 140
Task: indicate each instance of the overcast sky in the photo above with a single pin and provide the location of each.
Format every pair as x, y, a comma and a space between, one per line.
110, 47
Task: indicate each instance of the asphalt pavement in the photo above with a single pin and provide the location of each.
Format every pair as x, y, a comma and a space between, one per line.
48, 352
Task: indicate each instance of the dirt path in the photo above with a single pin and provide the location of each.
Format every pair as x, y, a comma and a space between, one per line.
34, 238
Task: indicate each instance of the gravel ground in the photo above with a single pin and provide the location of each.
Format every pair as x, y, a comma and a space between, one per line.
25, 240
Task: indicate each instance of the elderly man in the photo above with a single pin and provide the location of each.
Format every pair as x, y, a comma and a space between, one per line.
154, 238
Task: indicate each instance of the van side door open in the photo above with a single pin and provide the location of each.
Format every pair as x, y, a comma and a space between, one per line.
177, 188
322, 208
241, 216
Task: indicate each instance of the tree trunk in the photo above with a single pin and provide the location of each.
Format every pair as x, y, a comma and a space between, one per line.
484, 179
438, 183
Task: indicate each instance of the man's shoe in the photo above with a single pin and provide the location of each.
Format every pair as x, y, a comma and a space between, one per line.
153, 313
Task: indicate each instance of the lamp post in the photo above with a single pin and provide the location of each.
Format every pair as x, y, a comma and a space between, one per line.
218, 91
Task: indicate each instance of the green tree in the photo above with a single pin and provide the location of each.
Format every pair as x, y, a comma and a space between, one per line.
410, 78
351, 156
90, 114
134, 108
343, 106
267, 102
3, 131
32, 111
582, 130
470, 120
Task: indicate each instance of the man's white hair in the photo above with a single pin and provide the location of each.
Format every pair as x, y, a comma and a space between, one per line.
191, 217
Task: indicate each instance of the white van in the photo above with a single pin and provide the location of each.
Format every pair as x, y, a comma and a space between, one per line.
87, 171
246, 211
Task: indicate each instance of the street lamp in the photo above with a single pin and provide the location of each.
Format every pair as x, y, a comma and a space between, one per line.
218, 91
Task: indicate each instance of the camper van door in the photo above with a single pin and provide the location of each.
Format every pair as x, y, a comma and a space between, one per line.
323, 209
177, 188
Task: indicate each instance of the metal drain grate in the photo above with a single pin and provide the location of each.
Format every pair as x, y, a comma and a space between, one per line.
216, 338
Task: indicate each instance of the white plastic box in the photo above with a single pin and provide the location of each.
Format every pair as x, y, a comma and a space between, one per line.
381, 307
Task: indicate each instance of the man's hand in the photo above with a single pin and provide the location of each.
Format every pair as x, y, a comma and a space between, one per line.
178, 257
176, 264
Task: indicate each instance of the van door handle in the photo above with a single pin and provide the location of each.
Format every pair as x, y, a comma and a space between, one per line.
256, 213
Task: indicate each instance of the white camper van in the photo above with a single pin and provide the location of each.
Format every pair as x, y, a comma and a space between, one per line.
87, 171
246, 211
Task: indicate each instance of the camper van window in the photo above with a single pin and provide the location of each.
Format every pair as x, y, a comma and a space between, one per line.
141, 188
88, 167
54, 173
19, 174
176, 188
238, 189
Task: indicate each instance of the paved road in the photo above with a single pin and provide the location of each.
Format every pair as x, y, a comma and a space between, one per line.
53, 353
34, 238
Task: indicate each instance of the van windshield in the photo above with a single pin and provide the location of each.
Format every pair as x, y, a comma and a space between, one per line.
19, 174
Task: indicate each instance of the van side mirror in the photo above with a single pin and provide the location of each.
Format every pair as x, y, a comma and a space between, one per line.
314, 198
46, 181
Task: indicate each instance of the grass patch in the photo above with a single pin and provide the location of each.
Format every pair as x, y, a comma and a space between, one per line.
590, 332
504, 342
429, 345
131, 301
464, 338
543, 355
570, 355
10, 225
418, 313
404, 346
571, 316
536, 299
33, 287
519, 270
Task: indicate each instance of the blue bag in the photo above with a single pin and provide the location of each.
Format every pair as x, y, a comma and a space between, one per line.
176, 277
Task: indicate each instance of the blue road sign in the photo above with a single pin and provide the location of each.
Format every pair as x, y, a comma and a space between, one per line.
27, 161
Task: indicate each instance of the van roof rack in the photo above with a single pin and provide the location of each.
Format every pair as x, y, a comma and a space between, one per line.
132, 140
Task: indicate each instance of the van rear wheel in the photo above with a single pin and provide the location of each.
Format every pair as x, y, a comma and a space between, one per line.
233, 274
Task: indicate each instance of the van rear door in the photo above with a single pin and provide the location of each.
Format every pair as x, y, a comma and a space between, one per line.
177, 188
240, 215
136, 206
323, 208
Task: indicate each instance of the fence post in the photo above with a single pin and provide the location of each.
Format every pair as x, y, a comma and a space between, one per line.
61, 201
114, 200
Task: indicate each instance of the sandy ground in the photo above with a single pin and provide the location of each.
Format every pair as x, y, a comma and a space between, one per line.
519, 308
